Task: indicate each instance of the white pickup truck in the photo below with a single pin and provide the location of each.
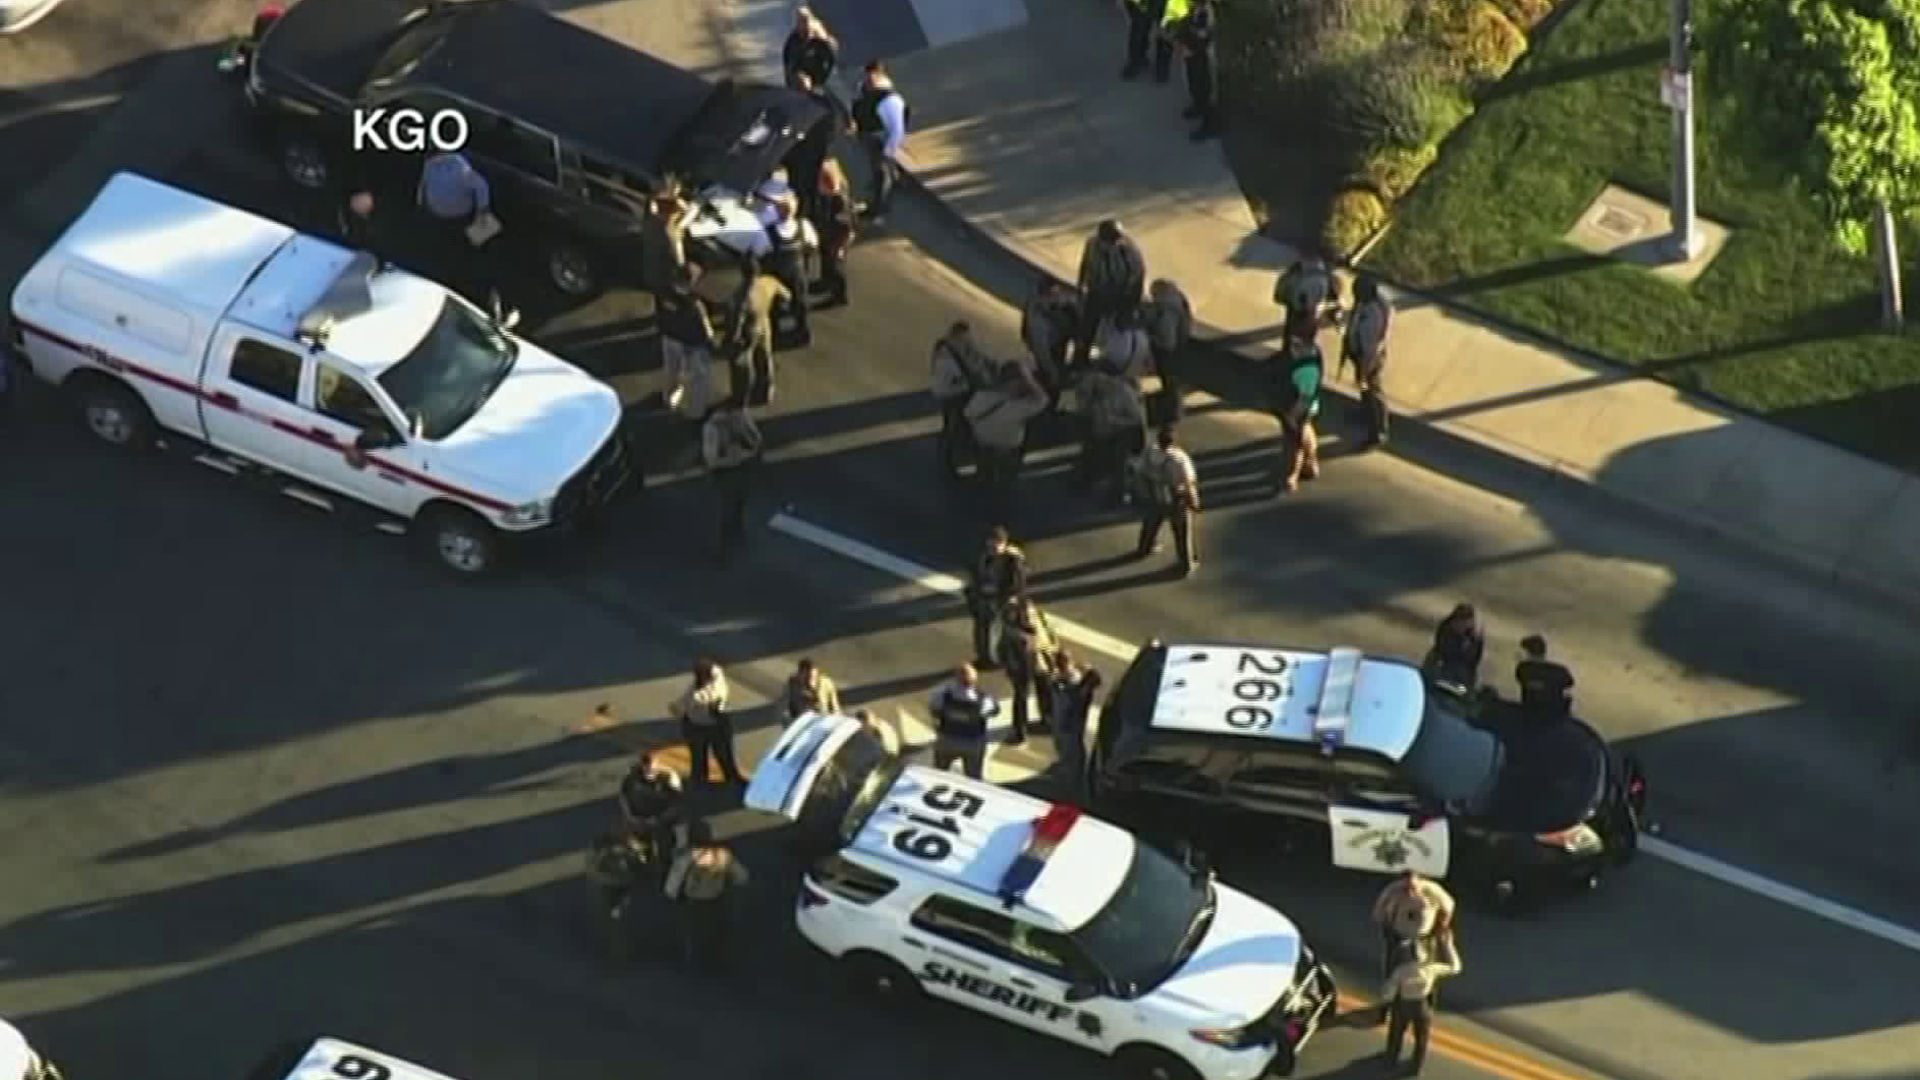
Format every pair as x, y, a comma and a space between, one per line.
346, 384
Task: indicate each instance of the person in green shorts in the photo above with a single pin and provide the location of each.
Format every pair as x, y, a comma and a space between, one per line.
1301, 369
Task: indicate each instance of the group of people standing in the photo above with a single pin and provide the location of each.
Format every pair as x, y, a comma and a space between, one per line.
1309, 295
1163, 28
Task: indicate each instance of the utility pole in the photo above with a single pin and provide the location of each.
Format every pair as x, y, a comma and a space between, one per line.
1684, 242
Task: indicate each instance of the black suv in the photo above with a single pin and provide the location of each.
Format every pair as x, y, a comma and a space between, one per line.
1357, 752
572, 130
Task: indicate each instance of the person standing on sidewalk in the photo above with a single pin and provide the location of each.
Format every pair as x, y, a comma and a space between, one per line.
999, 576
881, 116
459, 202
961, 711
1297, 404
1151, 23
1113, 274
833, 223
1308, 295
705, 725
1027, 650
702, 879
1173, 490
1195, 36
958, 370
810, 51
810, 690
1365, 347
1408, 997
730, 445
1075, 688
1169, 333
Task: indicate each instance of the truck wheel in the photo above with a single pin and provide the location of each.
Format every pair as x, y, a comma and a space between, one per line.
304, 162
572, 270
462, 542
114, 414
879, 977
1152, 1063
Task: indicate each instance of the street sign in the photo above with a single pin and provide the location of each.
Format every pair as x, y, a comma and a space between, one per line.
1676, 88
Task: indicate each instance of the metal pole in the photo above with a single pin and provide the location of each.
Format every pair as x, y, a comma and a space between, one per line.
1892, 306
1683, 243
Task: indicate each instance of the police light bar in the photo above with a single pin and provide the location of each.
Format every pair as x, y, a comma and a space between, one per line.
1048, 832
1336, 697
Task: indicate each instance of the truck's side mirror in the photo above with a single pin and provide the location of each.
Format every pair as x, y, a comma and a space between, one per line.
376, 438
1079, 992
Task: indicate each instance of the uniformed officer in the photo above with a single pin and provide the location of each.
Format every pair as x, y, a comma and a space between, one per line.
1151, 22
1169, 319
1365, 347
961, 711
1408, 996
1195, 36
999, 575
788, 264
1546, 687
1309, 295
730, 444
810, 690
1458, 645
1113, 277
1075, 686
703, 878
652, 801
1174, 488
1027, 652
957, 370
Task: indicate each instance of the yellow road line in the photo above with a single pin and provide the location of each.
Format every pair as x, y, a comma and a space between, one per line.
1481, 1055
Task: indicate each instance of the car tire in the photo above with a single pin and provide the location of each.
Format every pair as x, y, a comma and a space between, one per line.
461, 542
879, 977
1138, 1062
304, 162
113, 414
572, 270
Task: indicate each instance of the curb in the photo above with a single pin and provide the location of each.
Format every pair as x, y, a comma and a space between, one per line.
1834, 575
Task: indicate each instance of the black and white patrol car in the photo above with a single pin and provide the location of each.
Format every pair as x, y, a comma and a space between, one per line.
327, 1058
925, 883
1398, 775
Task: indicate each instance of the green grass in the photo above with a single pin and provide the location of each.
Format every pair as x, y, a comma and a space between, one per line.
1781, 323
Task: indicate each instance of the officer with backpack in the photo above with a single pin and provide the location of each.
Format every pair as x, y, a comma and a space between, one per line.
703, 879
1309, 295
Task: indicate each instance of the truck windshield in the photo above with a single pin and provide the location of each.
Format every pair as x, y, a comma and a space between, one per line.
1453, 762
1150, 924
457, 365
409, 49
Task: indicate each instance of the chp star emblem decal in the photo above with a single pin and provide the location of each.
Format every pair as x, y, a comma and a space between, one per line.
1391, 851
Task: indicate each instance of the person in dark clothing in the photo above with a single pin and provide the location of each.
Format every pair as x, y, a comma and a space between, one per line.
1147, 25
703, 879
1075, 689
1113, 278
788, 264
999, 575
961, 712
749, 341
1195, 37
957, 370
359, 226
1365, 347
1546, 687
663, 244
1048, 324
810, 50
1027, 649
881, 117
652, 803
1458, 645
833, 222
730, 445
810, 155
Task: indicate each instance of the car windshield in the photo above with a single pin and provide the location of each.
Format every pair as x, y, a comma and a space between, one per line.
451, 373
1150, 924
1453, 762
409, 49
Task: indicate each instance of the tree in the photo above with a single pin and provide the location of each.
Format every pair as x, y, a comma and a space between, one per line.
1835, 85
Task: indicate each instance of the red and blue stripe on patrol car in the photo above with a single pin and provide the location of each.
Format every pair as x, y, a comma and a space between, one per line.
1048, 833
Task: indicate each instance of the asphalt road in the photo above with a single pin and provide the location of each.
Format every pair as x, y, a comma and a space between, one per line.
264, 774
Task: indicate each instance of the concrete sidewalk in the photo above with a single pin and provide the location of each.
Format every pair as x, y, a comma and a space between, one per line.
1030, 136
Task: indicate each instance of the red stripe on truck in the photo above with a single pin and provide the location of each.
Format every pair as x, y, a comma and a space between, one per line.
230, 403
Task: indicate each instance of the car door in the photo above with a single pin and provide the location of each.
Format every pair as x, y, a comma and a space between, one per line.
1380, 823
522, 164
343, 409
252, 403
991, 962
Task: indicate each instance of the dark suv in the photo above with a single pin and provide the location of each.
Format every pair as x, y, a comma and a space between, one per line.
1358, 752
573, 131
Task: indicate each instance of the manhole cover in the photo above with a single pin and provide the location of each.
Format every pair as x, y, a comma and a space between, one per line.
1615, 221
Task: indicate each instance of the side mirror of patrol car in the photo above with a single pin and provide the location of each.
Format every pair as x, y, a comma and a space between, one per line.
1079, 992
376, 439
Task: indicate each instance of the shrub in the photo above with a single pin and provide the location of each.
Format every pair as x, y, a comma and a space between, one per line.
1390, 171
1404, 96
1351, 221
1526, 14
1482, 40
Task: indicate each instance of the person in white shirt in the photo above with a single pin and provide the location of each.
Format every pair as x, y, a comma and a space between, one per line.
705, 725
998, 417
730, 444
880, 116
1173, 497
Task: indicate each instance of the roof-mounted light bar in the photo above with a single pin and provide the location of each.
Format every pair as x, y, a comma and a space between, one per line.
1048, 832
1330, 719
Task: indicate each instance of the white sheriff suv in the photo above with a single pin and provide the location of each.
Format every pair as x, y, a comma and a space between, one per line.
338, 381
926, 883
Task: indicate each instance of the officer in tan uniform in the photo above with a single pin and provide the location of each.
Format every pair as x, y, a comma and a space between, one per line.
703, 879
999, 575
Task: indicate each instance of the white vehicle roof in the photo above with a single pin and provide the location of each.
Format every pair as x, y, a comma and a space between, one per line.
1369, 704
1078, 878
331, 1059
401, 308
194, 249
1076, 881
